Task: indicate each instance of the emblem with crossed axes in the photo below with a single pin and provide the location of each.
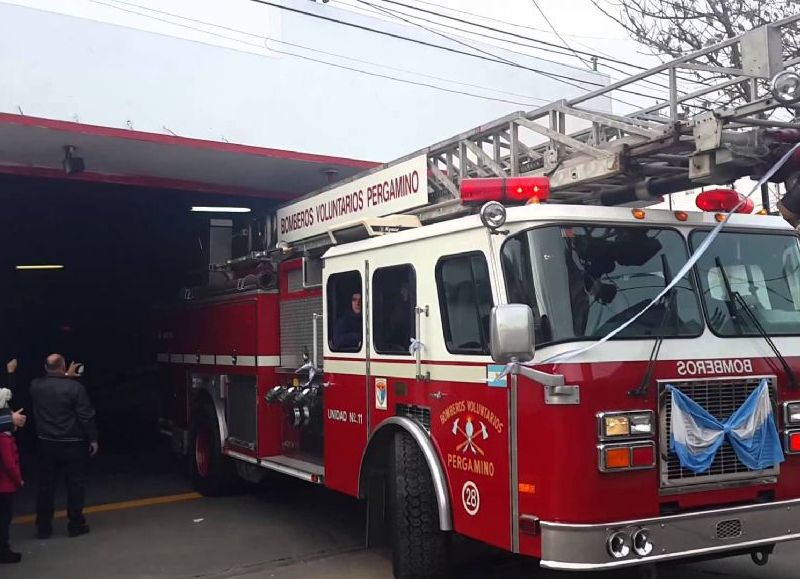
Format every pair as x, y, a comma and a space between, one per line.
470, 435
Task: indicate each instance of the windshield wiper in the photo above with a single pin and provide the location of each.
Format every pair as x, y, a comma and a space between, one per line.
734, 299
668, 300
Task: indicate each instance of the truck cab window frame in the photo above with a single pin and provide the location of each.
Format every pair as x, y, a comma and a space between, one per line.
584, 280
762, 268
345, 327
463, 284
394, 297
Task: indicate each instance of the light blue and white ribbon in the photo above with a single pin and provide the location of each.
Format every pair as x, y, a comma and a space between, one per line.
415, 346
697, 435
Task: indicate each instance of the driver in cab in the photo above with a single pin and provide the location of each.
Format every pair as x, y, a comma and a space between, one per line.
347, 329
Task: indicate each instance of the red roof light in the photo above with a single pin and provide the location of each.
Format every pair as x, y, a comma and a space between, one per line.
511, 190
723, 200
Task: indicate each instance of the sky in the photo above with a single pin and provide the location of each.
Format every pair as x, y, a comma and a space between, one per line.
579, 22
248, 26
241, 25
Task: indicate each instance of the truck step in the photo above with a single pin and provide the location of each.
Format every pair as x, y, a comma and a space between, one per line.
299, 468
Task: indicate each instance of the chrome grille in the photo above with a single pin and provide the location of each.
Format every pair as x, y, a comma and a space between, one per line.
721, 398
729, 529
421, 414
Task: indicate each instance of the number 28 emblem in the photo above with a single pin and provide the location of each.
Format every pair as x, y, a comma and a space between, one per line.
471, 498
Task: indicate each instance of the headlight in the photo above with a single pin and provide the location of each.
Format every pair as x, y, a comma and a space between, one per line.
626, 424
617, 426
792, 413
641, 424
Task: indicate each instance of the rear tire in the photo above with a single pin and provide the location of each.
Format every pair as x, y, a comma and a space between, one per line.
213, 473
420, 550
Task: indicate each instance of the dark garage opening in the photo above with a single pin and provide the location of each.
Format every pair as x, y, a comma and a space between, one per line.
125, 251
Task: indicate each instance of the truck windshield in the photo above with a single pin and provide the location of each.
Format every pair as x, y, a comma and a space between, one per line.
764, 269
584, 281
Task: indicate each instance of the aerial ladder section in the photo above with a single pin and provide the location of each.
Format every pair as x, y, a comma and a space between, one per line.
713, 128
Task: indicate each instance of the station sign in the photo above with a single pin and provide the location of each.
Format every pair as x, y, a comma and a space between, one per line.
388, 191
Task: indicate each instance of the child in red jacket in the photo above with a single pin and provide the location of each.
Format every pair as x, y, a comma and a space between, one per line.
10, 482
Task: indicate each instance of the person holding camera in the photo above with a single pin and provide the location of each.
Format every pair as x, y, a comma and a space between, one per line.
67, 433
10, 420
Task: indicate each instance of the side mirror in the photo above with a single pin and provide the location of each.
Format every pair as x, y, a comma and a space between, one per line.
512, 333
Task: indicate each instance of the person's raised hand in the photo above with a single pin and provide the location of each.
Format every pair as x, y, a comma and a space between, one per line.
18, 419
11, 366
72, 372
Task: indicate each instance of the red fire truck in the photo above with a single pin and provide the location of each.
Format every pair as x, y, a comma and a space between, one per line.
429, 336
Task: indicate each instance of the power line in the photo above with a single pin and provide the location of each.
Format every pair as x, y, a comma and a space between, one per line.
507, 23
506, 40
451, 27
401, 15
562, 78
554, 76
493, 29
422, 42
520, 36
701, 103
310, 49
332, 64
461, 42
553, 28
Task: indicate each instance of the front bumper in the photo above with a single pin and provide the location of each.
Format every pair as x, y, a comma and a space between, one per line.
583, 547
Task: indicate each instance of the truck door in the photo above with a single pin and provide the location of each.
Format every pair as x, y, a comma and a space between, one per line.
345, 420
470, 417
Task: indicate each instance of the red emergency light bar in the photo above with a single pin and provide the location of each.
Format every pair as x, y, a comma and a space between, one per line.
723, 200
509, 190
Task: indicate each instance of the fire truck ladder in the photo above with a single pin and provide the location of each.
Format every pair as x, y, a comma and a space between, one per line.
713, 128
705, 132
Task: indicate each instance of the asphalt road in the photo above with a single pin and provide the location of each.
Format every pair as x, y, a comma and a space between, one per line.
285, 530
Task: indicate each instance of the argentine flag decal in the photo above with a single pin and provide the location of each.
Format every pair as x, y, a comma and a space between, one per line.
750, 430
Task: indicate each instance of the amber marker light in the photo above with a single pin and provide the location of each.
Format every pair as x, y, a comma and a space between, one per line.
527, 488
681, 215
638, 213
720, 217
618, 458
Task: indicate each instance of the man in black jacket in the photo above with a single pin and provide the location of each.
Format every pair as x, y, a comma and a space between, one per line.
10, 420
67, 436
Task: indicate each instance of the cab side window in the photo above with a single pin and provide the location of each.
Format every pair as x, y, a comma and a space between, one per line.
394, 297
465, 301
344, 321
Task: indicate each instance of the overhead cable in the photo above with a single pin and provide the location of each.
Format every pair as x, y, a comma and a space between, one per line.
395, 12
555, 31
327, 63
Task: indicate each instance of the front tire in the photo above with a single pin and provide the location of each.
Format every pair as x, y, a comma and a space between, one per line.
420, 549
213, 473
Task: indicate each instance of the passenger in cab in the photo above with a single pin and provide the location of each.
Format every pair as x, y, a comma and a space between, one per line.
347, 329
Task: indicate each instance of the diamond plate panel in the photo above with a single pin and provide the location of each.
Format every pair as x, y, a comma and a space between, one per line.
297, 330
